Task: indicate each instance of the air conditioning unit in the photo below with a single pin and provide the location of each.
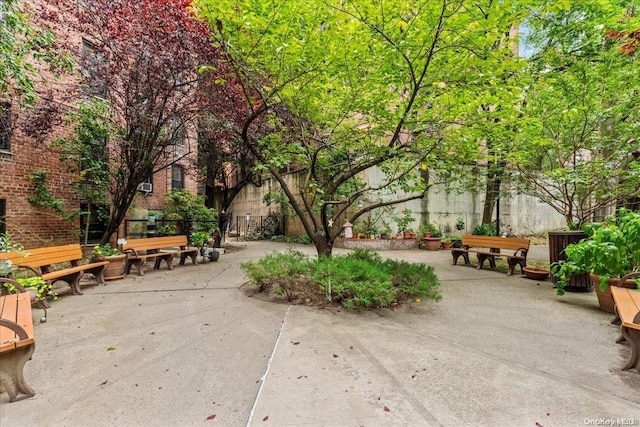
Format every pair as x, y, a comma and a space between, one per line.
145, 187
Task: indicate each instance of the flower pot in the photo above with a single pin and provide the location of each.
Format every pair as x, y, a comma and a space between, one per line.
115, 269
433, 243
446, 245
535, 273
605, 300
459, 226
214, 255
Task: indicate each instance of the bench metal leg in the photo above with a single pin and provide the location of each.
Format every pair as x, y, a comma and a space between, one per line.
483, 257
456, 255
12, 372
633, 337
137, 263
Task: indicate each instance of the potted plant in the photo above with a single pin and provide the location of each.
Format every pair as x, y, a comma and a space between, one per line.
115, 269
611, 251
431, 236
446, 241
460, 224
403, 222
199, 239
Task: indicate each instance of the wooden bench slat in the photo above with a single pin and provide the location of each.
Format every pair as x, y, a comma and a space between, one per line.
484, 247
627, 305
41, 261
17, 343
158, 248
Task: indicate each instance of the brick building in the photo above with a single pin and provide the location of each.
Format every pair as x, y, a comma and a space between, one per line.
23, 156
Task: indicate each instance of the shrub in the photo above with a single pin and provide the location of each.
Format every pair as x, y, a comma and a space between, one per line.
359, 280
484, 230
280, 271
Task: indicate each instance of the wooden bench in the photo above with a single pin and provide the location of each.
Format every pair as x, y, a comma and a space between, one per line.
627, 307
17, 342
487, 248
41, 262
159, 249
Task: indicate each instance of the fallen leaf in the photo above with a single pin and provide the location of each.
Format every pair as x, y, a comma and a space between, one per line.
386, 409
265, 418
296, 343
302, 376
210, 417
335, 355
538, 424
111, 348
103, 383
413, 376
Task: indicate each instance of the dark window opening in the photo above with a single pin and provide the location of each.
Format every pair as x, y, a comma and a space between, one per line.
177, 178
93, 70
98, 221
3, 216
5, 126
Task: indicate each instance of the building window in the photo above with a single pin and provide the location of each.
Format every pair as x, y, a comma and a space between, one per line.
177, 178
93, 70
177, 133
98, 221
3, 216
5, 126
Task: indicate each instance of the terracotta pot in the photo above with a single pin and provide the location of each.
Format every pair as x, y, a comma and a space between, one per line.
535, 273
605, 300
446, 245
115, 269
433, 243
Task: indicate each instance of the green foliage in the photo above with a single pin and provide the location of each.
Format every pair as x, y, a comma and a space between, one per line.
403, 221
430, 228
611, 250
484, 230
359, 280
582, 115
39, 285
8, 245
303, 240
199, 238
101, 251
280, 271
370, 85
20, 44
189, 209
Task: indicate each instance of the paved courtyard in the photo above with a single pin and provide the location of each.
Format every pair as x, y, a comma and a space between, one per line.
187, 347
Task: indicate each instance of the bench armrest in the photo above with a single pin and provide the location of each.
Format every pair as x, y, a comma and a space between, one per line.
521, 252
629, 276
19, 330
12, 282
131, 252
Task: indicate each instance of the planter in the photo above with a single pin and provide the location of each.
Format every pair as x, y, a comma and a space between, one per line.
115, 269
459, 226
214, 255
605, 300
433, 243
535, 273
446, 245
558, 241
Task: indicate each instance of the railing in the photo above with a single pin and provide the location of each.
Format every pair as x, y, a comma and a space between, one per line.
161, 227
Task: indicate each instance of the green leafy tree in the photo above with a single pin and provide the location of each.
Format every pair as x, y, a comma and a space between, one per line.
21, 42
579, 151
370, 84
84, 153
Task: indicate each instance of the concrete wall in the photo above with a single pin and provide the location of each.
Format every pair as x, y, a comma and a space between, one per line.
522, 215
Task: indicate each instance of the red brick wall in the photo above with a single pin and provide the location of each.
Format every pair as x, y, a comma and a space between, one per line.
35, 226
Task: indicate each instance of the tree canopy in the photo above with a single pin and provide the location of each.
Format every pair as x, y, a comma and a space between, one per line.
370, 84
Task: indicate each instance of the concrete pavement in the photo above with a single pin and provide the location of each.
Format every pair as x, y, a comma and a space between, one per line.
186, 347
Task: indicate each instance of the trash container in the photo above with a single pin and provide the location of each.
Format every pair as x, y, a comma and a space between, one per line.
558, 240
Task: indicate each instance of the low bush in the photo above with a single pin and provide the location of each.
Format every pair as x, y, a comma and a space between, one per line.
359, 280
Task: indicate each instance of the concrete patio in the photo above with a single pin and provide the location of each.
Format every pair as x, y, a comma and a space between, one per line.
187, 347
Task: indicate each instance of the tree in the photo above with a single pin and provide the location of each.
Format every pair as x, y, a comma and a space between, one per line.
578, 154
148, 59
371, 85
22, 42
